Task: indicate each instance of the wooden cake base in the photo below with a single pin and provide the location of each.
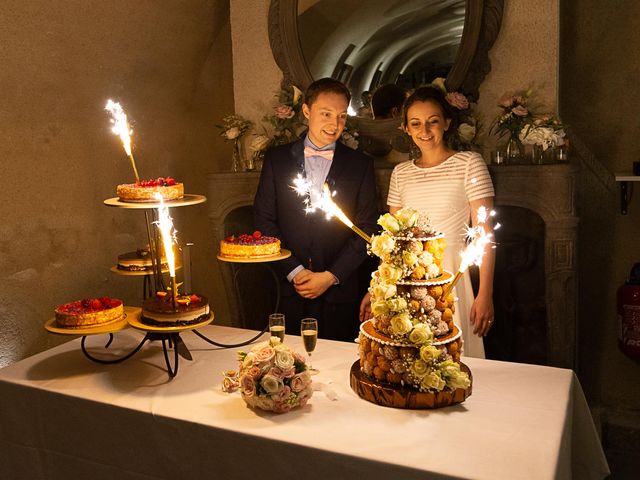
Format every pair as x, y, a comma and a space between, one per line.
395, 396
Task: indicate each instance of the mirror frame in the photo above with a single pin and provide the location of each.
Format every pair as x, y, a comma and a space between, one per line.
481, 26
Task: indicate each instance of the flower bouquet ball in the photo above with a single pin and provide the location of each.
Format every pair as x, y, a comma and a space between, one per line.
273, 377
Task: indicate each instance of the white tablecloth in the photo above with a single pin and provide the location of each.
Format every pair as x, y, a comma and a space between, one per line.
63, 416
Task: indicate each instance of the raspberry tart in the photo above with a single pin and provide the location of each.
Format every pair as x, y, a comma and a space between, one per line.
189, 309
246, 246
89, 312
146, 190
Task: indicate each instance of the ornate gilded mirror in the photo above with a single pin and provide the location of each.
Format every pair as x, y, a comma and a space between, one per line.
368, 43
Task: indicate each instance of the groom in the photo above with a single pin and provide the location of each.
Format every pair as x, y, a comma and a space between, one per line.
320, 279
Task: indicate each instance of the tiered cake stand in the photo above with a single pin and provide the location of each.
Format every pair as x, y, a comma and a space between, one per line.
169, 336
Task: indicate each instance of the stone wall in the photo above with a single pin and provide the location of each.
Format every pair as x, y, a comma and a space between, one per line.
169, 63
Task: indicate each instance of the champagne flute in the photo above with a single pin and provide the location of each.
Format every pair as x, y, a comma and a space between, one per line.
309, 333
276, 325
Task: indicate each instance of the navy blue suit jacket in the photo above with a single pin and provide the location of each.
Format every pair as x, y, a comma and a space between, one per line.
315, 242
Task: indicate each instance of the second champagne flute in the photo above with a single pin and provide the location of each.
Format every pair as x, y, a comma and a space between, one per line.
276, 325
309, 333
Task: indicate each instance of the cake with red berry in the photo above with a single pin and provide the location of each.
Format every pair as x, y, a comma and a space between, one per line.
245, 246
188, 309
89, 312
146, 190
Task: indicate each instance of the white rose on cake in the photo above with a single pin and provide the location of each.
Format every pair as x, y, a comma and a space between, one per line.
389, 223
432, 381
383, 291
407, 218
421, 334
389, 273
382, 244
409, 258
401, 324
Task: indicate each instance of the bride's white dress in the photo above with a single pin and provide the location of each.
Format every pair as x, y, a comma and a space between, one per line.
443, 193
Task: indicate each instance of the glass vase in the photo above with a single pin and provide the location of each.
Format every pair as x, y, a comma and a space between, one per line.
537, 154
515, 150
236, 158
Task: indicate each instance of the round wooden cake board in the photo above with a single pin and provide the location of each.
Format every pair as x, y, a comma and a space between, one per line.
284, 253
137, 324
395, 396
187, 199
111, 327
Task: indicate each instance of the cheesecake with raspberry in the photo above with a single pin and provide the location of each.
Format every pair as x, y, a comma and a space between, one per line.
246, 246
89, 312
188, 309
147, 190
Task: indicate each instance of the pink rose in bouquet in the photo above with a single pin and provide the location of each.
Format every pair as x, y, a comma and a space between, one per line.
273, 377
457, 100
520, 111
284, 111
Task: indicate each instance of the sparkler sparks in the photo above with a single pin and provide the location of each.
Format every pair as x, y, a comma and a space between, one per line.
123, 130
168, 235
478, 238
315, 200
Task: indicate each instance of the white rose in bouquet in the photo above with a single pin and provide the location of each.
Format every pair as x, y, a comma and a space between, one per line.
232, 133
466, 132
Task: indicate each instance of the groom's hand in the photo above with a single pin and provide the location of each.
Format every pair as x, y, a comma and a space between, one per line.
313, 284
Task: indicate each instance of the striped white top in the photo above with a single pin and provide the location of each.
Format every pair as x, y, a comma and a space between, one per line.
442, 192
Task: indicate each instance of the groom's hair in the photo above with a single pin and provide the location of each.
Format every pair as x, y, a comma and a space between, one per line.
325, 85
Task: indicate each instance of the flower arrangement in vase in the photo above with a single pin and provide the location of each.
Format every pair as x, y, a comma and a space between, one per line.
544, 134
515, 114
233, 128
271, 377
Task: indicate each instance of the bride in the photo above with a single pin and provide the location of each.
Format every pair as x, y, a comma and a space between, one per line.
449, 187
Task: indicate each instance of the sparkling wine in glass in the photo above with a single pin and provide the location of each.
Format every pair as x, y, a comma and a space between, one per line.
309, 333
276, 325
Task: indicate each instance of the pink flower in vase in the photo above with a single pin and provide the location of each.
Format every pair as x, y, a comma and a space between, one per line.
520, 111
284, 112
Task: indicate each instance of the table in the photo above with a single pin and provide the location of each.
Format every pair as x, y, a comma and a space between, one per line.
62, 416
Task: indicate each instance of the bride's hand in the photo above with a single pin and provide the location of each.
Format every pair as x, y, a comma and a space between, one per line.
482, 315
365, 308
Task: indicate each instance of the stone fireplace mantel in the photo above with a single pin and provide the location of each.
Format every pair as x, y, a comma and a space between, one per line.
548, 190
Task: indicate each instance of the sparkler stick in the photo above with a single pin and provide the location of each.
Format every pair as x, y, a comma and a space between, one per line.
472, 255
323, 201
165, 225
123, 130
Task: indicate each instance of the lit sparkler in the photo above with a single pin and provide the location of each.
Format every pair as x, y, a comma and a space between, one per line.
123, 130
315, 200
168, 235
479, 238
